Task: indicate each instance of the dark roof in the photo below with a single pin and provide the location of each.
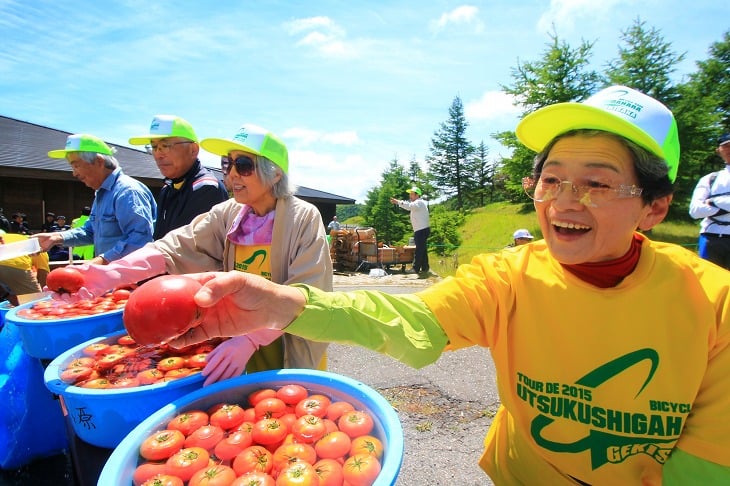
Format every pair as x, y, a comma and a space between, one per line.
25, 146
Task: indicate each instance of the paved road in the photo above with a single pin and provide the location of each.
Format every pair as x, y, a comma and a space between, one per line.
445, 408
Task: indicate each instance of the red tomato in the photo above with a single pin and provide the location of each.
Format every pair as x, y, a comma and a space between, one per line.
253, 458
356, 423
313, 405
233, 444
227, 416
308, 429
124, 382
336, 409
188, 422
162, 309
206, 437
164, 480
333, 445
148, 377
269, 431
95, 383
255, 396
269, 407
179, 373
75, 374
198, 360
288, 454
171, 363
107, 361
95, 349
186, 462
215, 475
367, 444
121, 294
298, 474
65, 280
126, 340
146, 470
288, 419
292, 394
361, 470
329, 472
254, 478
161, 445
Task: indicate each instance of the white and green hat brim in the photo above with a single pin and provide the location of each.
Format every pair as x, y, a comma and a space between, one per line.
166, 126
81, 142
251, 139
636, 117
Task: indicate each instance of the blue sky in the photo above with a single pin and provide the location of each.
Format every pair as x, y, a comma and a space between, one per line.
348, 85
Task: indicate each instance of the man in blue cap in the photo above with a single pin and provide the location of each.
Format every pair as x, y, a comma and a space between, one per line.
711, 203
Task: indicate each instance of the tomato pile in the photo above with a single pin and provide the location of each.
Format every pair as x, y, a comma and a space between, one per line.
56, 309
282, 437
124, 364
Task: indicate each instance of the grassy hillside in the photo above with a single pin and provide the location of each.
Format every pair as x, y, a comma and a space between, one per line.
490, 229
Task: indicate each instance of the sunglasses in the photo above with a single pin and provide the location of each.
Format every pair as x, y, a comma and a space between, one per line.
244, 165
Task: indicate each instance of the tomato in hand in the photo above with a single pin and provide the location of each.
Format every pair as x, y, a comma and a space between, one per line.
65, 280
162, 309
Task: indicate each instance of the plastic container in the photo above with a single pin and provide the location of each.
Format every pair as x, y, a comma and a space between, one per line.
120, 466
5, 307
103, 417
19, 248
47, 339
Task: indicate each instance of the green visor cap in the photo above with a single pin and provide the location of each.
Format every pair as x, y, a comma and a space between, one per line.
166, 126
81, 142
252, 139
617, 109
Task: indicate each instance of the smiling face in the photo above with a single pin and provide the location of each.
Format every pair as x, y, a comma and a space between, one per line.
581, 233
250, 189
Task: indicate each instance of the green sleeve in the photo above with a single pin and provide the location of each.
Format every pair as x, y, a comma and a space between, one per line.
400, 326
683, 468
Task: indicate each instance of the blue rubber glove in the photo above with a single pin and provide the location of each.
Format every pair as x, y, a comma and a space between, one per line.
229, 358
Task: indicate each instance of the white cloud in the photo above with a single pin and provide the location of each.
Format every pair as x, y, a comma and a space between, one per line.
321, 34
565, 14
493, 105
306, 137
463, 15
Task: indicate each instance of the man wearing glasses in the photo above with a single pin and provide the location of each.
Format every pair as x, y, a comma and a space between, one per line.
190, 188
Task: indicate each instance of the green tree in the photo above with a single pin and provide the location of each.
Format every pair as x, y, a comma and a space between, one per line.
390, 224
482, 188
645, 62
449, 158
444, 238
562, 74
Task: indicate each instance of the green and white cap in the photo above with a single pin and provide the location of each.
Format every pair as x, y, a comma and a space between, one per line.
415, 189
165, 126
616, 109
81, 142
252, 139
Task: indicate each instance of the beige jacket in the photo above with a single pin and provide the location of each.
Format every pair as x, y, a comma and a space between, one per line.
299, 254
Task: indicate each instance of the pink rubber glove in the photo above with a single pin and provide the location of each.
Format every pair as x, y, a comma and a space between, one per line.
139, 265
229, 358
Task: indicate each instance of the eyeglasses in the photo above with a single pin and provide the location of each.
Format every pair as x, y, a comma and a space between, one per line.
590, 192
162, 147
244, 165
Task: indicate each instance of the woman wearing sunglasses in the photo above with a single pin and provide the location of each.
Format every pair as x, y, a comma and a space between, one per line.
263, 230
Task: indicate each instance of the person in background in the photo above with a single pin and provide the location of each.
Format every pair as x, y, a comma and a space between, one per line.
60, 224
49, 222
18, 225
421, 228
17, 275
123, 212
190, 188
612, 351
711, 203
59, 253
4, 223
333, 225
263, 230
83, 252
521, 237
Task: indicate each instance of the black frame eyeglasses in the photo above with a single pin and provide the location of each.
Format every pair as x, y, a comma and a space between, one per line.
163, 147
245, 165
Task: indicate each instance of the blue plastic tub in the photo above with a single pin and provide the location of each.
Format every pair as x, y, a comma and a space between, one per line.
103, 417
46, 339
5, 307
120, 467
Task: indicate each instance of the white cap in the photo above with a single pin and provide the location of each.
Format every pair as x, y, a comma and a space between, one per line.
522, 233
